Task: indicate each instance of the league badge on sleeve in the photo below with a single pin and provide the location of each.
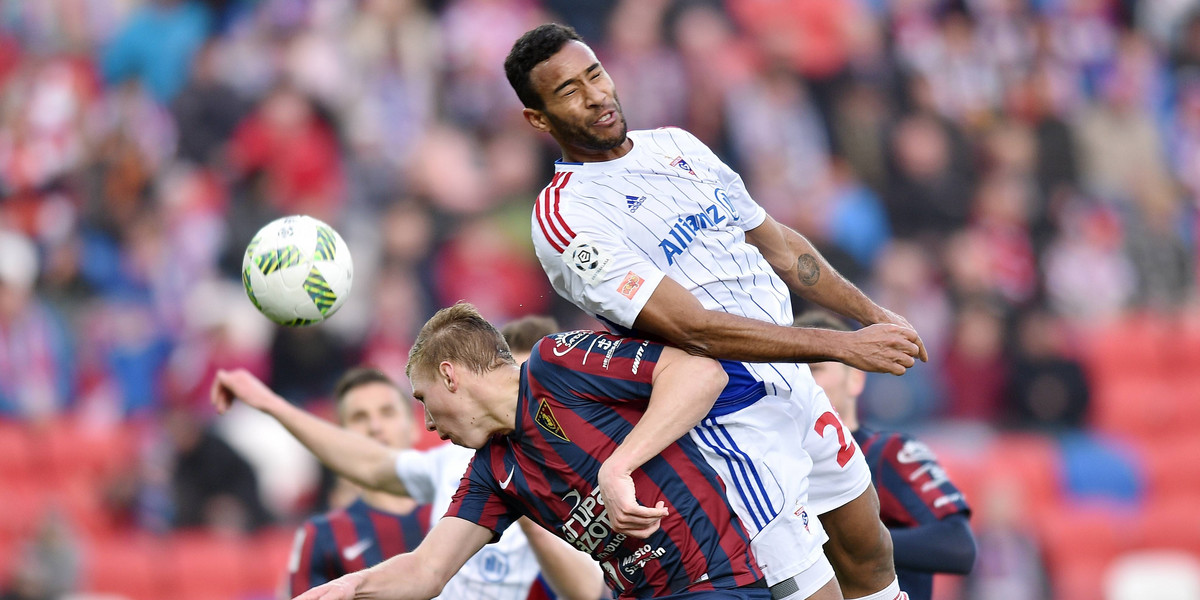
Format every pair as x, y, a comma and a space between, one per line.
587, 259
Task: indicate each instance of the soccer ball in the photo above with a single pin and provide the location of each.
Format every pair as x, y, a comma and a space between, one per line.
297, 271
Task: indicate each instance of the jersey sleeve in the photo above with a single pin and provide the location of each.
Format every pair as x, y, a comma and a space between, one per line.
585, 366
587, 258
750, 214
477, 499
918, 487
419, 471
307, 568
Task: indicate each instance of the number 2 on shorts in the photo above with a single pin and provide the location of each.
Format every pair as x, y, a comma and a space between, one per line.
831, 420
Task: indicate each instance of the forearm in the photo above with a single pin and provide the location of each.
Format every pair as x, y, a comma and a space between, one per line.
357, 458
945, 546
685, 388
732, 337
812, 278
572, 574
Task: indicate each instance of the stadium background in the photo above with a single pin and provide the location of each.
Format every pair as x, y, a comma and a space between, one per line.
1018, 178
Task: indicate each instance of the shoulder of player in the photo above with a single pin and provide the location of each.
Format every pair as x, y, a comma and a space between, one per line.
562, 210
904, 450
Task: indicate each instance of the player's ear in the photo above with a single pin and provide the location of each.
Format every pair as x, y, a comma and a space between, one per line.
537, 119
447, 376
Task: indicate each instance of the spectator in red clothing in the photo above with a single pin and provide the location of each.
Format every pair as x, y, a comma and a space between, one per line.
297, 151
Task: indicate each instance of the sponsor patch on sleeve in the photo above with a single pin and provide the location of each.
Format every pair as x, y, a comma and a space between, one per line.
587, 259
630, 286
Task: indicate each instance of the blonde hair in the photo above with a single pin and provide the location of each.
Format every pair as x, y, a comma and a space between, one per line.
458, 334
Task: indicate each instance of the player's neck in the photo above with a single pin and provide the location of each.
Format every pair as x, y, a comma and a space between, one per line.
502, 387
850, 415
391, 503
583, 155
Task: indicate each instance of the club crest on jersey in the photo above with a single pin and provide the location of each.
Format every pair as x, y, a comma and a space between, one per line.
629, 288
545, 418
682, 164
587, 259
634, 202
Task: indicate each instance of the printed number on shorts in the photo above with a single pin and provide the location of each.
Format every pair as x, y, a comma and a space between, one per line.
827, 420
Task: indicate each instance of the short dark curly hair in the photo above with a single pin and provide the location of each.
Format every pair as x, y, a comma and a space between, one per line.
535, 46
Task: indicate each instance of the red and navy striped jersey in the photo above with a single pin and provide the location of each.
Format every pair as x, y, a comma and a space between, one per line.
581, 394
913, 490
349, 539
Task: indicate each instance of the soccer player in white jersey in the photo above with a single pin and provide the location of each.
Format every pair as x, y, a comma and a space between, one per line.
650, 231
502, 571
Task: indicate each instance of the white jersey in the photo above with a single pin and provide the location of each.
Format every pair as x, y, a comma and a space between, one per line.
504, 570
607, 233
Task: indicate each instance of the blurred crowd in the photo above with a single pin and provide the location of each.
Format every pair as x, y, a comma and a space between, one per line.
1007, 174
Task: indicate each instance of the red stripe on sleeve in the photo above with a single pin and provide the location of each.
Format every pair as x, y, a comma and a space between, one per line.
562, 221
550, 222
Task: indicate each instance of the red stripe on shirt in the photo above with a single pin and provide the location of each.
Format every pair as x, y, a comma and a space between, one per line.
549, 220
346, 535
557, 216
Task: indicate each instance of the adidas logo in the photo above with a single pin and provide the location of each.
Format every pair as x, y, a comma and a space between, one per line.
634, 202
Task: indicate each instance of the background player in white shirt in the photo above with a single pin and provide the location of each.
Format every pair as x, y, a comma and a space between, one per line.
651, 231
503, 571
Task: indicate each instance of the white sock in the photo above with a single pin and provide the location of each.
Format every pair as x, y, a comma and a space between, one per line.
891, 592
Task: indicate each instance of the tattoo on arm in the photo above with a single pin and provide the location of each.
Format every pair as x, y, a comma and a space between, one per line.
808, 270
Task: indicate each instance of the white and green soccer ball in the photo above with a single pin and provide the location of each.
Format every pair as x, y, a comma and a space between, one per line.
297, 271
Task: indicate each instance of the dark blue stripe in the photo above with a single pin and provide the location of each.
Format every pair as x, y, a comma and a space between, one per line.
754, 470
737, 481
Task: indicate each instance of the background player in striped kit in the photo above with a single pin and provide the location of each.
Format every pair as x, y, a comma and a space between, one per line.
542, 431
377, 525
651, 232
925, 513
505, 572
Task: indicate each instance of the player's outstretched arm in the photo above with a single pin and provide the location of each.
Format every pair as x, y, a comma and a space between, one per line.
416, 575
572, 574
684, 390
811, 277
673, 314
943, 546
357, 458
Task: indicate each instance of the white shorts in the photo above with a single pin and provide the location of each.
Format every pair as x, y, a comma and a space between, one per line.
758, 453
839, 472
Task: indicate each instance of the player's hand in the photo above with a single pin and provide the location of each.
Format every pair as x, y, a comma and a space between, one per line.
883, 348
624, 513
342, 588
240, 384
895, 319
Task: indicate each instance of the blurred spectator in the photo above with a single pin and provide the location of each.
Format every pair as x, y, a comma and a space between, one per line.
36, 366
212, 485
1048, 389
1009, 563
296, 151
481, 266
206, 111
156, 44
778, 137
928, 196
1088, 276
653, 88
48, 565
975, 368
